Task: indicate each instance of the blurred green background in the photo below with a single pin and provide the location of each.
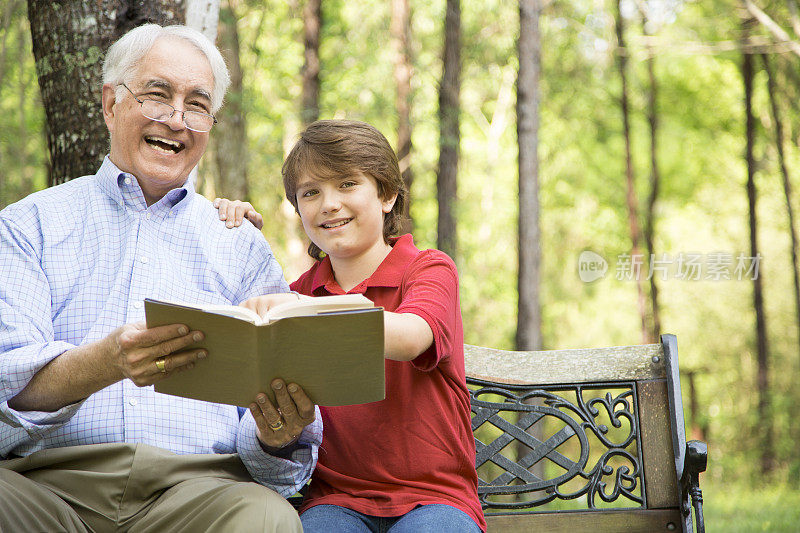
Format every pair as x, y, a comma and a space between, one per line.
702, 208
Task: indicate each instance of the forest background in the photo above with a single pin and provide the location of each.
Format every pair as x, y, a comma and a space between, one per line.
678, 125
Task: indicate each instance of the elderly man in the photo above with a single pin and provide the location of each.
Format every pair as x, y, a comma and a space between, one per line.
86, 443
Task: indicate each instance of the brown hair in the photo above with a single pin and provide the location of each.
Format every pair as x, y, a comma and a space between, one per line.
333, 148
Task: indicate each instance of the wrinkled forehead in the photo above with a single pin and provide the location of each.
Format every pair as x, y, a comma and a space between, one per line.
172, 62
167, 86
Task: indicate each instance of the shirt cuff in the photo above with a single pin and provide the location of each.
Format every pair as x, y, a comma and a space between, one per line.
284, 475
37, 423
18, 365
286, 451
17, 368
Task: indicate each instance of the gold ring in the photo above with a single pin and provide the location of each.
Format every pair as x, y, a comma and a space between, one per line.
161, 365
277, 426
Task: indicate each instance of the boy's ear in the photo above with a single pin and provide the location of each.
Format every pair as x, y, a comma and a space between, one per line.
388, 203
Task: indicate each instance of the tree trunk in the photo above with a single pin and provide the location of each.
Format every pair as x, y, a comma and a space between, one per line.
69, 44
203, 15
449, 134
764, 426
632, 203
230, 134
401, 35
771, 26
787, 186
312, 24
529, 319
529, 316
655, 178
697, 430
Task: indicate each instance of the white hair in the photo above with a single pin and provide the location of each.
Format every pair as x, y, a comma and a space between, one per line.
124, 55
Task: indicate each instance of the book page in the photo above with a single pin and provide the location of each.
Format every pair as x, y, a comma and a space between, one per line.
307, 306
233, 311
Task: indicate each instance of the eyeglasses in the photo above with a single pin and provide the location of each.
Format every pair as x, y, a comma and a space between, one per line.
162, 112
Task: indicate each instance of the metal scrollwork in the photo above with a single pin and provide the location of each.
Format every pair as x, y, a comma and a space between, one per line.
592, 461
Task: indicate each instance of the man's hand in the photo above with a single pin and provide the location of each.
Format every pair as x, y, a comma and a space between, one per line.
233, 212
148, 355
130, 351
262, 304
280, 427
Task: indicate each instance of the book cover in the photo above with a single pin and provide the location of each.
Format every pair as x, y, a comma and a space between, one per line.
336, 356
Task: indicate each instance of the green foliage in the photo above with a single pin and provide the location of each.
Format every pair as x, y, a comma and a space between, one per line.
702, 206
23, 148
739, 508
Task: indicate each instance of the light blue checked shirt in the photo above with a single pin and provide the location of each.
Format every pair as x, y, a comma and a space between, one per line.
76, 261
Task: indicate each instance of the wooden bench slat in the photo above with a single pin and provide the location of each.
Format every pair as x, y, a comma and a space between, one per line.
661, 481
644, 521
620, 363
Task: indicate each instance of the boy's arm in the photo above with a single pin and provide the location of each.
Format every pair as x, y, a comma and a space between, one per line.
430, 293
405, 336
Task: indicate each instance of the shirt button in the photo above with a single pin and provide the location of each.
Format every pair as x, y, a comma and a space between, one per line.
133, 401
144, 260
127, 181
148, 216
137, 305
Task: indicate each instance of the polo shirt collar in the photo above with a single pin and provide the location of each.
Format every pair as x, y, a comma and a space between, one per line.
388, 274
124, 189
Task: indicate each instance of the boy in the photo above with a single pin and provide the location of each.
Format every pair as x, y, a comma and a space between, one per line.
406, 462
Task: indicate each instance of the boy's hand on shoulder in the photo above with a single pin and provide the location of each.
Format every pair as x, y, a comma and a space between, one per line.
233, 212
262, 304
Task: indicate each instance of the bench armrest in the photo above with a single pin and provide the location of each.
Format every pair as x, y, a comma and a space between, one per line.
691, 457
696, 461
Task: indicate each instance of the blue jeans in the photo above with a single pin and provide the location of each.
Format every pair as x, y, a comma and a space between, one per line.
434, 518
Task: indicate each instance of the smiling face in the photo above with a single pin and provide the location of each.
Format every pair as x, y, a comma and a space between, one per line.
343, 216
160, 154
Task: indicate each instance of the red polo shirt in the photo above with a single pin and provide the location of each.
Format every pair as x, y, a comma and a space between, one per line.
416, 446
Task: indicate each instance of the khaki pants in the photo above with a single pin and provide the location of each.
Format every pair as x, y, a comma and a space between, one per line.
136, 488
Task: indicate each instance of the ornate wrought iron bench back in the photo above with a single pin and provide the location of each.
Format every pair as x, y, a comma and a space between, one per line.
610, 452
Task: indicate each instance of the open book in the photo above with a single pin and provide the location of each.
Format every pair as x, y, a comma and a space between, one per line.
301, 307
332, 346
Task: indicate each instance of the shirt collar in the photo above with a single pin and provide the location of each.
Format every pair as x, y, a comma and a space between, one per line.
108, 179
124, 189
388, 274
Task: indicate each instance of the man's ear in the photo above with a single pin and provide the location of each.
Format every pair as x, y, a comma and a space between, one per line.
109, 100
388, 203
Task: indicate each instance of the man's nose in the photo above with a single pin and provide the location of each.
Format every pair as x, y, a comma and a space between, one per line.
175, 122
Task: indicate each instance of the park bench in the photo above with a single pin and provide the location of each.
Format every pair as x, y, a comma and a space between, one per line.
589, 440
584, 440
